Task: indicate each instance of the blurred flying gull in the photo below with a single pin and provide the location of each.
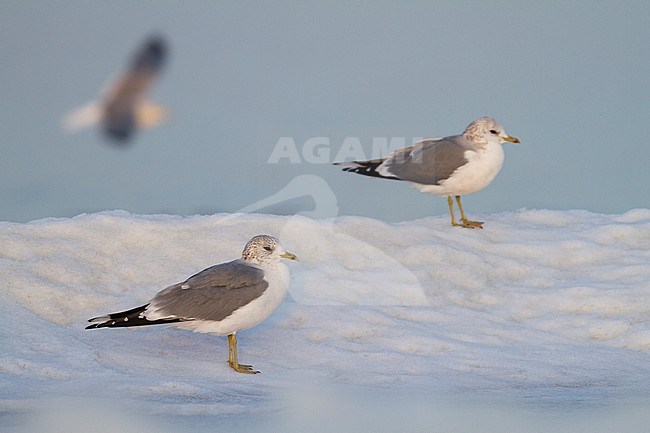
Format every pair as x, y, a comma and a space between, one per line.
123, 107
455, 165
221, 299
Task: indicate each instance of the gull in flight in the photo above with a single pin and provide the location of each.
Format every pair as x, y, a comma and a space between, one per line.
123, 107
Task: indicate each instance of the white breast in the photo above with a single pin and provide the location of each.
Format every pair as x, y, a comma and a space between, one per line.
481, 169
251, 314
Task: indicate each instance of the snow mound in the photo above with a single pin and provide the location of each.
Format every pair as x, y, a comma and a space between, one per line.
548, 305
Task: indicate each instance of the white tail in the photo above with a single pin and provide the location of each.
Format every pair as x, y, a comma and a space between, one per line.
83, 117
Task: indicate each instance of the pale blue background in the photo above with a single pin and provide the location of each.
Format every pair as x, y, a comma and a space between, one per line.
571, 79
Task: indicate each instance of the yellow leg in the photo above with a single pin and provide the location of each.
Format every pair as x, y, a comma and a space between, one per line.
451, 211
229, 352
465, 222
232, 357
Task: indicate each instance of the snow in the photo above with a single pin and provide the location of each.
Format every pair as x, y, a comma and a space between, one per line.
540, 322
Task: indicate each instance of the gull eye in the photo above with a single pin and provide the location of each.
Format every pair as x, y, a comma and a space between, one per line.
267, 248
492, 131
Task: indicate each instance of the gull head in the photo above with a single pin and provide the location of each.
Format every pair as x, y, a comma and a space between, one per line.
485, 130
265, 249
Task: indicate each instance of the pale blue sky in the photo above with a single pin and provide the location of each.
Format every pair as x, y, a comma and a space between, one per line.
570, 79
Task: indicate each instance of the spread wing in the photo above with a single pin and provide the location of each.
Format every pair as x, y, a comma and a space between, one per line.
120, 119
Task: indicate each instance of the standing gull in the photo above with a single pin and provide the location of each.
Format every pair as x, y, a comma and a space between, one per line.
221, 299
123, 106
454, 165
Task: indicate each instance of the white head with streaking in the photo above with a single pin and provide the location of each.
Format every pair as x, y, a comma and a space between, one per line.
486, 130
265, 249
221, 299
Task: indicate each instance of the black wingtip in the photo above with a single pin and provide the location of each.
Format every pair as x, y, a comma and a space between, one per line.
117, 319
151, 55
